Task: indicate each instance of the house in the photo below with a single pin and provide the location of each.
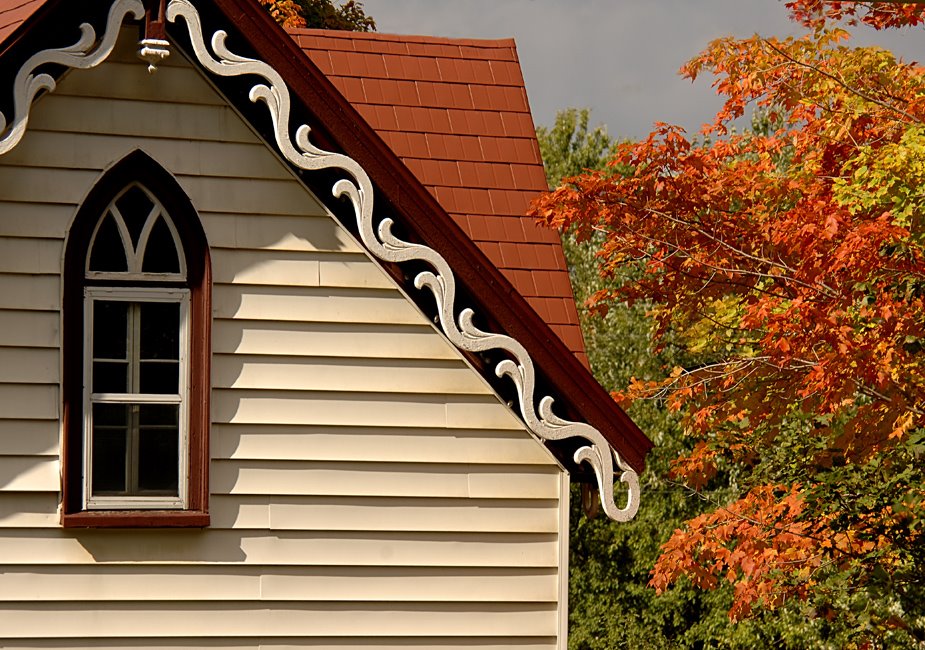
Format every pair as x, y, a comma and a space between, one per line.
262, 383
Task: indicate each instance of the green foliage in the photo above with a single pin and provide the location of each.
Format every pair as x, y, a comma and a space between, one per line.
328, 14
611, 605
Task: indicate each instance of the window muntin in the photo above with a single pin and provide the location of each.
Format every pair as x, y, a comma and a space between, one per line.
135, 239
136, 404
136, 348
136, 231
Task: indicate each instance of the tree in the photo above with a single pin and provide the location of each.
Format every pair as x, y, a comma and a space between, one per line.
610, 604
783, 267
323, 14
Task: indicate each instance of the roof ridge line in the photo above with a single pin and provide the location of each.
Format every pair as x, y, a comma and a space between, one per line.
488, 43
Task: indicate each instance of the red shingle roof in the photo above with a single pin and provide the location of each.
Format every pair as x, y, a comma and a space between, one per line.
14, 12
455, 111
339, 123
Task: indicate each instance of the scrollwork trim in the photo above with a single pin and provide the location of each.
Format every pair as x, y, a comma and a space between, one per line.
441, 282
82, 55
379, 240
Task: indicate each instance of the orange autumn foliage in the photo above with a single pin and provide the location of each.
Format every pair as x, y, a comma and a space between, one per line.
285, 12
789, 259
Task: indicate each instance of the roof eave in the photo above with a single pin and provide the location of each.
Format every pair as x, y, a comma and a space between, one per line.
337, 122
397, 185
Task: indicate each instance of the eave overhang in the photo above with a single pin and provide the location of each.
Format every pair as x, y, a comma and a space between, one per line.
419, 219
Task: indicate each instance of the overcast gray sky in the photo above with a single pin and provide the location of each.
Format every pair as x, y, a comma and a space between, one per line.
618, 57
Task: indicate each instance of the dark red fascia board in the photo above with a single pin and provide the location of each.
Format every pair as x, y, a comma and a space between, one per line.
422, 214
338, 122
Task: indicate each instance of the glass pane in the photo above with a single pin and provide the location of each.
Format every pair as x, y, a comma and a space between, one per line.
134, 206
162, 377
109, 449
110, 377
159, 449
160, 251
110, 329
160, 330
107, 253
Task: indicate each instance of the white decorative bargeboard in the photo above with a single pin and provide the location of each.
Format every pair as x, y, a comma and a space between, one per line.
518, 367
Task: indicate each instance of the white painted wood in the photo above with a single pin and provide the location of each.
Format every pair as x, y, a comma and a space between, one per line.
28, 365
278, 232
28, 437
291, 619
29, 402
273, 268
415, 515
269, 583
368, 491
126, 51
180, 84
30, 184
375, 444
366, 375
328, 305
369, 341
279, 548
37, 255
527, 642
19, 327
33, 220
562, 573
29, 474
250, 196
464, 413
155, 118
382, 479
352, 272
465, 585
28, 510
359, 409
22, 291
229, 512
297, 268
56, 150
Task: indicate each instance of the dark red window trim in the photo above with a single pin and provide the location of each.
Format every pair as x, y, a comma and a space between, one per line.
137, 167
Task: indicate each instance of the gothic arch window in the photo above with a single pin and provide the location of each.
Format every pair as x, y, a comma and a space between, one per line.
136, 354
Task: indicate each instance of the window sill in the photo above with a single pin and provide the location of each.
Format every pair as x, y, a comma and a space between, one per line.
136, 519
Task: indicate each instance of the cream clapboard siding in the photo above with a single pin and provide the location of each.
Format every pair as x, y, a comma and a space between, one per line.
367, 489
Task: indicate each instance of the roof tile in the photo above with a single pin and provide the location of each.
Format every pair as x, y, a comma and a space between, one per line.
539, 306
471, 148
546, 258
510, 255
517, 124
506, 73
417, 144
523, 280
449, 172
439, 146
464, 129
481, 201
529, 177
494, 124
468, 173
478, 229
528, 255
353, 89
457, 112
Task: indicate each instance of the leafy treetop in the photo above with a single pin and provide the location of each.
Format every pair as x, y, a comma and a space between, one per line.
789, 261
322, 14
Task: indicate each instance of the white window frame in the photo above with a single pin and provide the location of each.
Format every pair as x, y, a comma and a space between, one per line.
135, 258
137, 294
